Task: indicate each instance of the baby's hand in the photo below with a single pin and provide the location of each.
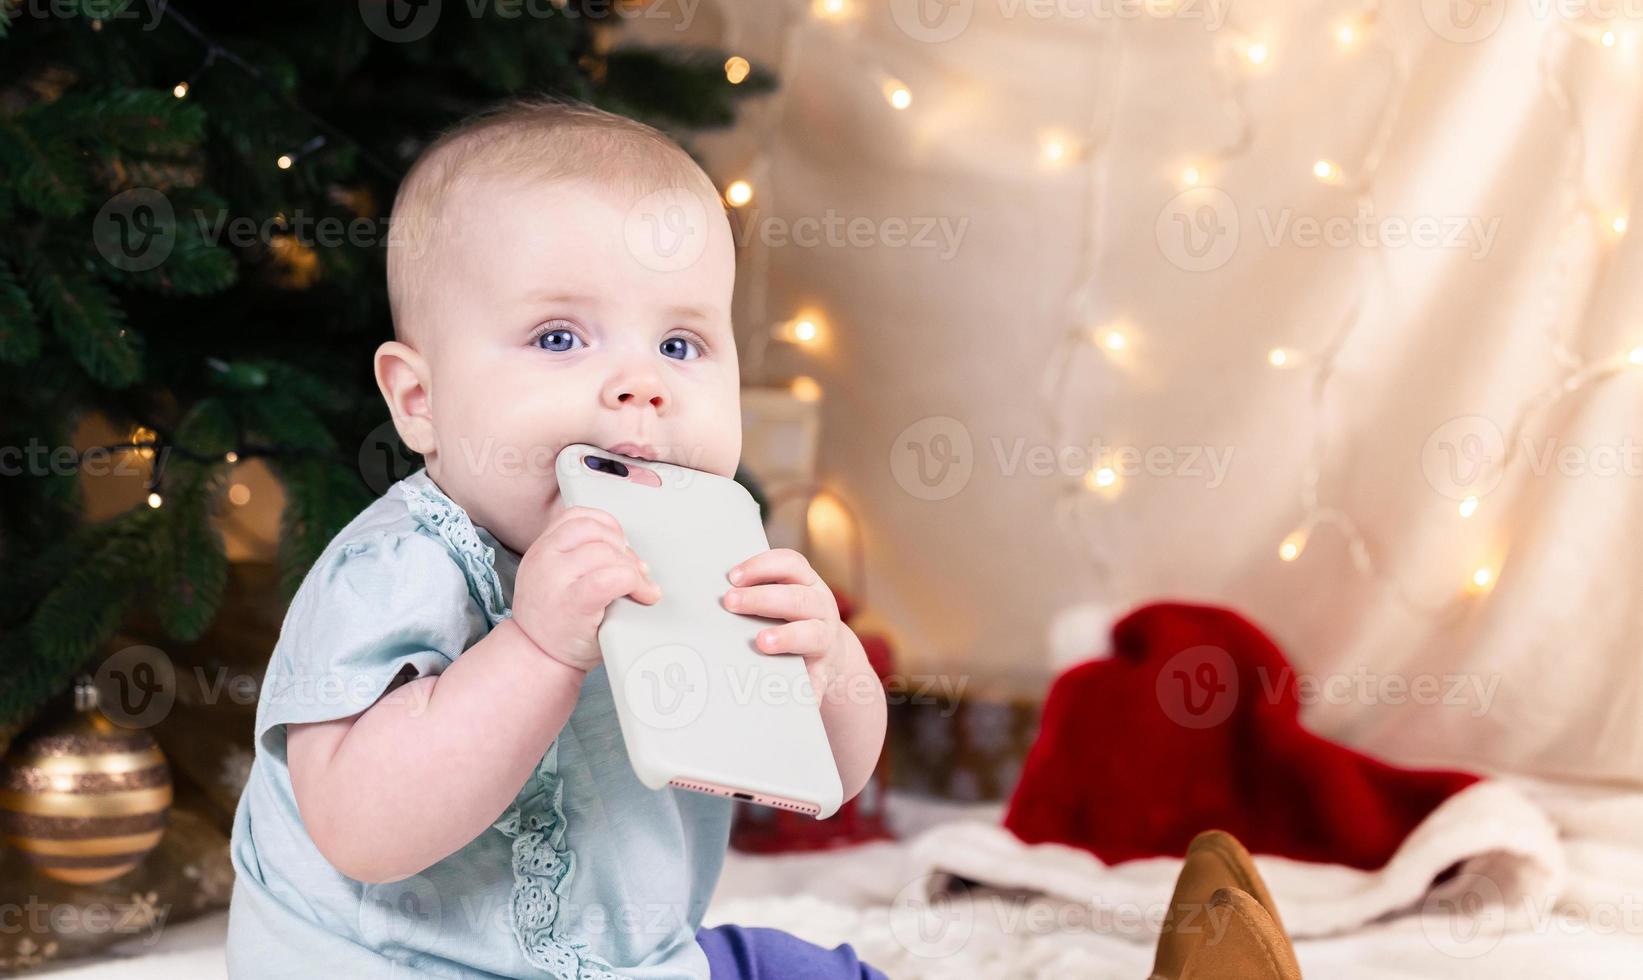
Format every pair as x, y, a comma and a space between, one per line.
568, 576
780, 584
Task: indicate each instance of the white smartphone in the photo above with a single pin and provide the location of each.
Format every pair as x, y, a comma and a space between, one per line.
700, 706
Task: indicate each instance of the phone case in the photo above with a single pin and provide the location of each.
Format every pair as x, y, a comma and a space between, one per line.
700, 707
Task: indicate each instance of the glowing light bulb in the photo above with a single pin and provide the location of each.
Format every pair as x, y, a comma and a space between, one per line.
1114, 340
831, 9
239, 494
803, 329
1054, 150
1257, 53
1618, 224
737, 69
897, 94
806, 389
739, 193
1326, 171
1279, 357
231, 456
1346, 34
1468, 507
1636, 356
1102, 480
1482, 578
285, 161
180, 90
154, 500
1190, 176
1607, 39
1292, 545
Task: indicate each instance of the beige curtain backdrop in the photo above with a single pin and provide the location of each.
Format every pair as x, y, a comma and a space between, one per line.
1477, 259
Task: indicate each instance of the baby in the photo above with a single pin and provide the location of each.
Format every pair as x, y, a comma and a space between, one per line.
441, 787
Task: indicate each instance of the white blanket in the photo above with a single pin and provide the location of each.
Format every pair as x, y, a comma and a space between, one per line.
1571, 861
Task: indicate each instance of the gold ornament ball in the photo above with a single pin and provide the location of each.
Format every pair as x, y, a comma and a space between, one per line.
85, 800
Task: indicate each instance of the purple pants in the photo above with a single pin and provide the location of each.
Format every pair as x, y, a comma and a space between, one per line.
760, 953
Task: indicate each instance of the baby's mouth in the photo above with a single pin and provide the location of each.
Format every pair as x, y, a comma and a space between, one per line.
635, 450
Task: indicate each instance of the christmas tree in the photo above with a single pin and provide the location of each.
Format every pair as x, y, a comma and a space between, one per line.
195, 201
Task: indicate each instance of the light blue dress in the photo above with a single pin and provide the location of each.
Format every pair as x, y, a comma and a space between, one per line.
588, 875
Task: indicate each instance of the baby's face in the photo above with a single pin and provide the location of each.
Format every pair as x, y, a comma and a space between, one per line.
551, 329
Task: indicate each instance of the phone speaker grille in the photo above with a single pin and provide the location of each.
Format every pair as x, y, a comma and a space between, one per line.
809, 809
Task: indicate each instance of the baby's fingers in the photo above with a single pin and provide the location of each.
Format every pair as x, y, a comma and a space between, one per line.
595, 589
807, 637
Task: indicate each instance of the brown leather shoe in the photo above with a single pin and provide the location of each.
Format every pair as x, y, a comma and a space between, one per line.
1241, 942
1215, 861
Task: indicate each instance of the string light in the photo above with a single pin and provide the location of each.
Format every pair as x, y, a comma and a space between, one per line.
1280, 357
1292, 545
239, 494
1635, 356
759, 259
154, 501
897, 94
180, 90
1257, 52
737, 69
1468, 507
1482, 579
231, 456
1346, 34
739, 193
285, 161
1190, 176
833, 10
806, 389
142, 439
1608, 39
1617, 224
1326, 171
1054, 149
1114, 340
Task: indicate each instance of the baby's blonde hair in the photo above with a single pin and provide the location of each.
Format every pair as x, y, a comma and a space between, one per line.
538, 139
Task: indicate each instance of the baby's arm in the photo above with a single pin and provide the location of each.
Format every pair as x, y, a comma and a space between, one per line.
390, 791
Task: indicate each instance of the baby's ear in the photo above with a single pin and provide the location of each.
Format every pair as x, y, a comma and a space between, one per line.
402, 377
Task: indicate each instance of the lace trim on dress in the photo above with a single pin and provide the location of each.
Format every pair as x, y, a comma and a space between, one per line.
542, 864
542, 871
446, 518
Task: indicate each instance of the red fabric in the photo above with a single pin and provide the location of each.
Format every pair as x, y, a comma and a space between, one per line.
1194, 724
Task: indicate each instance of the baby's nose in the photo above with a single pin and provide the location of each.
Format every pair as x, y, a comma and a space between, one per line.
639, 396
637, 388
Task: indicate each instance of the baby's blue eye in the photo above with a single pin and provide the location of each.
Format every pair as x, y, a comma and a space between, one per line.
680, 348
558, 340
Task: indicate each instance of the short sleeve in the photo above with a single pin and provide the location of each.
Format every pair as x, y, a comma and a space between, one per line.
373, 612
